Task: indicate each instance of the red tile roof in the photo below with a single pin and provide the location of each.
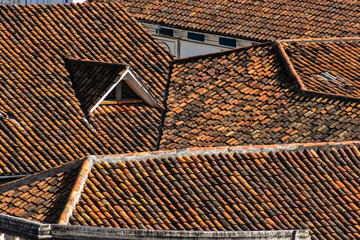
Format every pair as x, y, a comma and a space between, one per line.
40, 197
228, 190
246, 96
41, 121
256, 20
295, 186
328, 67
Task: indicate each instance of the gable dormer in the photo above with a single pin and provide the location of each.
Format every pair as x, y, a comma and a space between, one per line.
96, 82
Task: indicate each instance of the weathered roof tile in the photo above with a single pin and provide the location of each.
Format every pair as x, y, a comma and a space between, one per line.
228, 190
260, 20
41, 197
42, 123
246, 107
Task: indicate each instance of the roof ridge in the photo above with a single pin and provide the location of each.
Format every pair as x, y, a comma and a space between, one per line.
216, 150
196, 57
331, 39
75, 193
77, 60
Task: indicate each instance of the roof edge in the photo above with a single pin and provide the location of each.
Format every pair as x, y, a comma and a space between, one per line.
216, 150
76, 191
24, 228
35, 230
37, 176
306, 40
83, 232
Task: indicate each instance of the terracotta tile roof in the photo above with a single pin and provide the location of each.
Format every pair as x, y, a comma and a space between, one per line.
228, 190
330, 67
256, 20
40, 197
138, 124
41, 120
246, 96
294, 186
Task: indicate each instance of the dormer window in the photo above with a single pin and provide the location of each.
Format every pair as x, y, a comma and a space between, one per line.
96, 82
122, 92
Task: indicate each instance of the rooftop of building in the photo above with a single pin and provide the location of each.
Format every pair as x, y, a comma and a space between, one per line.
311, 186
45, 117
287, 91
262, 20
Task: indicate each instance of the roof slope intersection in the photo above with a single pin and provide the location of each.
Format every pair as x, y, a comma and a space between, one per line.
43, 124
304, 90
295, 186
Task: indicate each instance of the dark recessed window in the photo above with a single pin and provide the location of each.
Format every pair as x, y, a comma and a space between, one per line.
127, 92
227, 42
122, 92
196, 36
166, 31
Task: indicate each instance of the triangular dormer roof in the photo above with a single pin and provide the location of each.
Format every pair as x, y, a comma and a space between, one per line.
93, 81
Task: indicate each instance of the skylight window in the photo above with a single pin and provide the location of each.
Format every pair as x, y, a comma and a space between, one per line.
335, 80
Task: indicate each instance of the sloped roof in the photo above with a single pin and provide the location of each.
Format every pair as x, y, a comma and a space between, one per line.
248, 96
256, 20
328, 67
41, 121
40, 197
294, 186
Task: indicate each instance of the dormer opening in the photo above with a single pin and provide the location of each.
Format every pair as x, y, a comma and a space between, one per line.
122, 93
102, 82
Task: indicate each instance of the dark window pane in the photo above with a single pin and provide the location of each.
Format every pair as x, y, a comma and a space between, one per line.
227, 42
196, 36
166, 31
126, 92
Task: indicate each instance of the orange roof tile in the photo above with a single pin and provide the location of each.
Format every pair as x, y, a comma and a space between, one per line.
255, 20
42, 123
246, 96
311, 186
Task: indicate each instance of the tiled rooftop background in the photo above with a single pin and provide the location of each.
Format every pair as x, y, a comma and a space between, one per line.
262, 20
289, 189
41, 121
246, 96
